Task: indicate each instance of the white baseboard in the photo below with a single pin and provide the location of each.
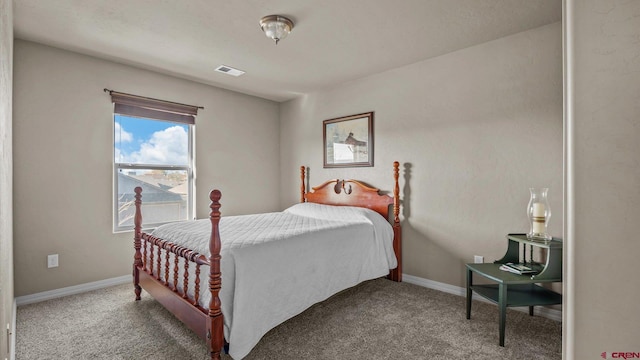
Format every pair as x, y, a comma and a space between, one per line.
549, 313
546, 312
72, 290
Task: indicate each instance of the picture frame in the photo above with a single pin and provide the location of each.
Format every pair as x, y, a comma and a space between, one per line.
348, 141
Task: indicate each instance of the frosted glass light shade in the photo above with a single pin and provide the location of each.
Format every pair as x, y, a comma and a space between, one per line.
276, 27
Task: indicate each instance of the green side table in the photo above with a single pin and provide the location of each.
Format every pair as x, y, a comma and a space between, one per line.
513, 290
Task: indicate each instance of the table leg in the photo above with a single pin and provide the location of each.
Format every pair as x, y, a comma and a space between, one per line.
469, 284
502, 304
530, 310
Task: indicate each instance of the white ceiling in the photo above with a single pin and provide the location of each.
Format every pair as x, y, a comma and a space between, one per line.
333, 41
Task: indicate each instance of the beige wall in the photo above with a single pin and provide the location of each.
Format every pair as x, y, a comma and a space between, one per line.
473, 130
6, 161
63, 151
603, 140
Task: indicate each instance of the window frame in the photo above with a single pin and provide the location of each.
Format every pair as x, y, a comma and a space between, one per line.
148, 110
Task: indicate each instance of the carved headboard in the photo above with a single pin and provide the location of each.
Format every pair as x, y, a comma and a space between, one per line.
353, 193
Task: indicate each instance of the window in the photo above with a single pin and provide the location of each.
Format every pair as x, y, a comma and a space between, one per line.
153, 149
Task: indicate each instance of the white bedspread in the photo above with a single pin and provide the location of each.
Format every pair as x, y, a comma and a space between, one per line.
276, 265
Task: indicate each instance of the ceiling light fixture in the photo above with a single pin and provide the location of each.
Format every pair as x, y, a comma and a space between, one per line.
276, 27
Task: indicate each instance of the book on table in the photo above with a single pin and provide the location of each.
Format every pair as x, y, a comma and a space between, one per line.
519, 269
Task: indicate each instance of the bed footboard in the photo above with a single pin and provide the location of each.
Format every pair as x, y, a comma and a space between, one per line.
162, 282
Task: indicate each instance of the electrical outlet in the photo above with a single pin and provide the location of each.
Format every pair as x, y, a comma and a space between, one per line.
477, 259
52, 261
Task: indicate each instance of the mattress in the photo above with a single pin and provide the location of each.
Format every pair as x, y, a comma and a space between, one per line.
276, 265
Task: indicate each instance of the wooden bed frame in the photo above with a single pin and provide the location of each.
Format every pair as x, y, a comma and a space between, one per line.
208, 323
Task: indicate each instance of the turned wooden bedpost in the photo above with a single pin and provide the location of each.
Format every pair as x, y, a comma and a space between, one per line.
396, 274
215, 330
137, 258
303, 188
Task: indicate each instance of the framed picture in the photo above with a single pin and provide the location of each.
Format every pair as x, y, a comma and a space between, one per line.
348, 141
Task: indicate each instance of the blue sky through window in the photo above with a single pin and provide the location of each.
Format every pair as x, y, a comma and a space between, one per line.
146, 141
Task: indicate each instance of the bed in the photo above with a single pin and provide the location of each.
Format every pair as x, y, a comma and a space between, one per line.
275, 265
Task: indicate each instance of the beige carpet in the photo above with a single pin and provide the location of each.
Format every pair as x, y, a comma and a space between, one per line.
378, 319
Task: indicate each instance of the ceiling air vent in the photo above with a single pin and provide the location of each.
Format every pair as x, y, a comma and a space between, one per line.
229, 70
